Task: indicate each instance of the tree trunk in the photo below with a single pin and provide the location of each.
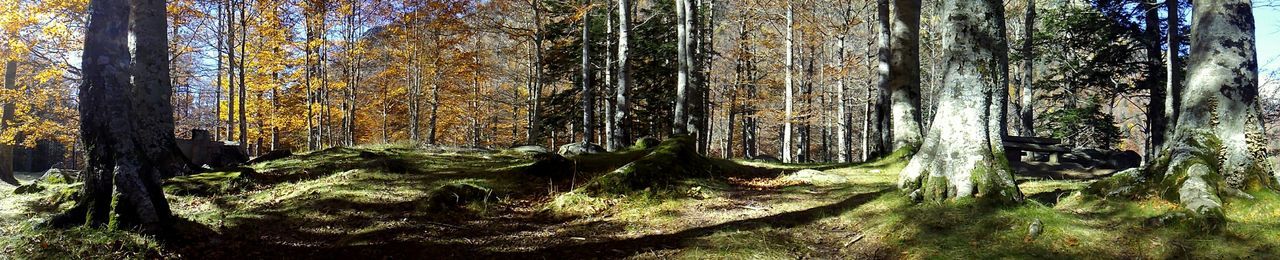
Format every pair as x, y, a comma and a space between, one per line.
962, 155
231, 70
588, 98
1173, 104
789, 98
904, 82
621, 112
1026, 109
1219, 144
881, 132
535, 95
122, 186
1156, 121
610, 88
6, 150
681, 114
244, 36
152, 90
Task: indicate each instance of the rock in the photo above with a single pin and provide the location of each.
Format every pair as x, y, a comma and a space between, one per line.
1124, 160
1034, 230
59, 176
647, 142
457, 195
531, 149
815, 177
575, 149
272, 156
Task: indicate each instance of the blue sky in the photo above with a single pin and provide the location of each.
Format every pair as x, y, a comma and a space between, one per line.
1267, 20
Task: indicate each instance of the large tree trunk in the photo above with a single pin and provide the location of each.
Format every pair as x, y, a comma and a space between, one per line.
588, 98
1156, 121
152, 90
962, 156
786, 119
904, 82
121, 185
1219, 145
6, 150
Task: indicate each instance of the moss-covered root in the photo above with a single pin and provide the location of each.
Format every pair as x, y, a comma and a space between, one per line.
984, 178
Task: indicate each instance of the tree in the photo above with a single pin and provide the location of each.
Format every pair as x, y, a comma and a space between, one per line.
1025, 108
789, 99
879, 133
621, 135
121, 184
588, 98
1173, 72
6, 150
1156, 120
904, 75
683, 76
962, 154
1219, 145
152, 91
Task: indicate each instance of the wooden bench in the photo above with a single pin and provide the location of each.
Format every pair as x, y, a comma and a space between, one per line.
1014, 146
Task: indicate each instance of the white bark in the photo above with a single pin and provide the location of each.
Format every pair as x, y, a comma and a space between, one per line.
961, 156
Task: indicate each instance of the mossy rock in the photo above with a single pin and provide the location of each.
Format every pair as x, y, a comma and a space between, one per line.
455, 195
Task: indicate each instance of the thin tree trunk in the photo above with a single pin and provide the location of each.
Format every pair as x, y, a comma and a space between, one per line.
621, 134
244, 36
1173, 104
588, 98
786, 119
6, 150
1156, 121
1026, 113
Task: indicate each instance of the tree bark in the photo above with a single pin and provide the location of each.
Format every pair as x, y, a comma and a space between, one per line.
881, 132
1156, 120
535, 96
904, 82
117, 171
588, 98
1026, 108
1173, 104
6, 150
681, 114
621, 115
786, 119
1219, 144
244, 36
962, 155
152, 90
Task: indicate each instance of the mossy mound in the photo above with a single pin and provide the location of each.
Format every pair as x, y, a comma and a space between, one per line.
210, 183
673, 160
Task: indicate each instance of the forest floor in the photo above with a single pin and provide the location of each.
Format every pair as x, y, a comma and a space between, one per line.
399, 201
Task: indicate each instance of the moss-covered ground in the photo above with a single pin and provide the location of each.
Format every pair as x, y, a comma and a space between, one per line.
405, 202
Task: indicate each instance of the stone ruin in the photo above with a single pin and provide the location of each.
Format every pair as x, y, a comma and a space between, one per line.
204, 151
